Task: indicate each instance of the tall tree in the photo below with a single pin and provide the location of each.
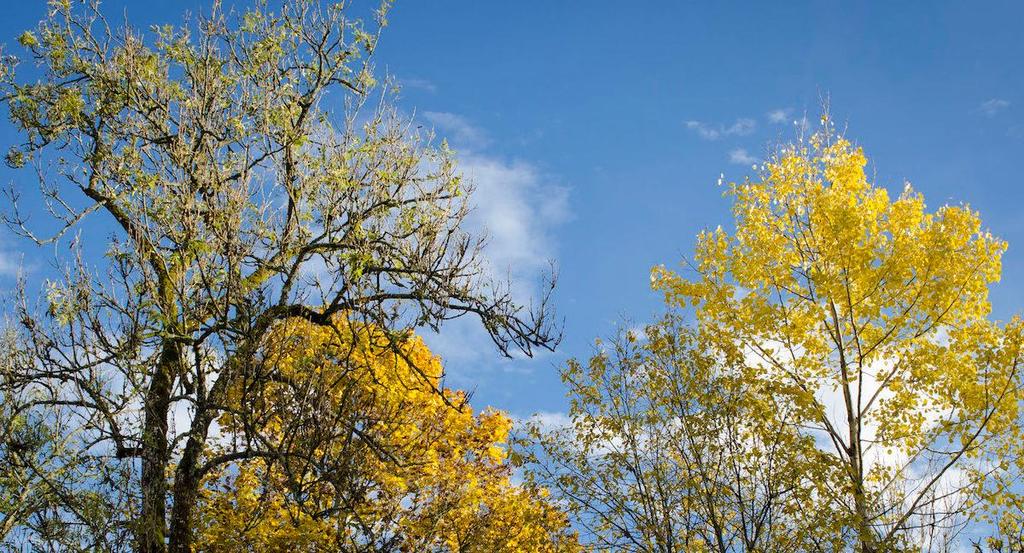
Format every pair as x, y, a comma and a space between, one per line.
842, 385
243, 179
871, 315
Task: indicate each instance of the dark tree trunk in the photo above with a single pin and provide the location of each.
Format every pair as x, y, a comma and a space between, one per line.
155, 456
186, 486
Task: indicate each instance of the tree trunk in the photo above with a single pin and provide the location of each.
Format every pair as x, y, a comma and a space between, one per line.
186, 486
155, 456
187, 477
866, 537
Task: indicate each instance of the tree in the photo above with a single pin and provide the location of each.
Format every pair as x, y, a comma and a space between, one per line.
40, 475
671, 448
871, 315
243, 179
425, 473
23, 444
18, 444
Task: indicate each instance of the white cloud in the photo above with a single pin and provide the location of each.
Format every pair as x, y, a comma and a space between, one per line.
707, 131
513, 201
739, 156
992, 107
419, 84
549, 420
9, 263
518, 206
779, 116
457, 129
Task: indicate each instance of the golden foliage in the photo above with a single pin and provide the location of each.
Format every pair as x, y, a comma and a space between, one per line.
871, 315
390, 459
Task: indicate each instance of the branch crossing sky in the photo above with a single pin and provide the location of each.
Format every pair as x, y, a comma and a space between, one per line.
597, 133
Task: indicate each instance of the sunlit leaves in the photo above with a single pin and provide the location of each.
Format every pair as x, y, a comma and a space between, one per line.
368, 429
669, 446
245, 173
870, 313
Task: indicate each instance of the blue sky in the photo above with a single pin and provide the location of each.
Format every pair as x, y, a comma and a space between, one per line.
597, 132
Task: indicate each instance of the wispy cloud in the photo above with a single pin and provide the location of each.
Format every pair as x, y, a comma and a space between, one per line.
419, 84
9, 264
547, 420
739, 156
457, 129
779, 116
514, 202
992, 107
518, 206
708, 131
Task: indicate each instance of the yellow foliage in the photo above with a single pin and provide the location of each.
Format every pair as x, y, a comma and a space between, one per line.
830, 288
424, 473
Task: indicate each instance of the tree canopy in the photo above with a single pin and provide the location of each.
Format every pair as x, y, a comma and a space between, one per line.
842, 366
254, 243
872, 315
388, 463
246, 171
